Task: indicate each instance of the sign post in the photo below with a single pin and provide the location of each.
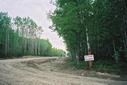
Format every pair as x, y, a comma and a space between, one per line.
89, 58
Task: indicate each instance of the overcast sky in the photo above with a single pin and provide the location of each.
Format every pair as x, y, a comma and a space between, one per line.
37, 10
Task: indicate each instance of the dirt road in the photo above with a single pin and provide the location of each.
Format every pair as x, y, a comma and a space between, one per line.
20, 72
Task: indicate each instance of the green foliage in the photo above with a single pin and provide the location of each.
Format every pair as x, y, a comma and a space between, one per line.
98, 66
73, 63
56, 52
19, 37
105, 21
106, 66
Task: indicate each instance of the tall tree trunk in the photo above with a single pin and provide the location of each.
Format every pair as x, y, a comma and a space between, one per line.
88, 48
6, 42
87, 38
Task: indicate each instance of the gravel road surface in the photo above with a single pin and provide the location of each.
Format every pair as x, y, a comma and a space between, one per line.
17, 72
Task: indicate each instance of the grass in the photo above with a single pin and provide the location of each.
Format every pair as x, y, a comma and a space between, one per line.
74, 63
106, 66
99, 66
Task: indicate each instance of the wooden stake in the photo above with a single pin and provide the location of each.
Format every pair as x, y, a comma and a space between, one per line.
89, 62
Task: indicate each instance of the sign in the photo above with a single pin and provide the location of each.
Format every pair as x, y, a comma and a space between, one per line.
89, 57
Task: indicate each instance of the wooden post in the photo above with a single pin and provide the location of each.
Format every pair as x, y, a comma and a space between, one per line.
89, 62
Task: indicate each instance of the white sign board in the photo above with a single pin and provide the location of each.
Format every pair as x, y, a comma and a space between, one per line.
89, 57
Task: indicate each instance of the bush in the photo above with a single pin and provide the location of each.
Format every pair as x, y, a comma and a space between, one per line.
100, 65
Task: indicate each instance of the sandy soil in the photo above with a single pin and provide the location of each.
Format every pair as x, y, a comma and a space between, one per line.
36, 71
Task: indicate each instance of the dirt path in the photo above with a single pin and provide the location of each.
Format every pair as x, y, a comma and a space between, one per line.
20, 72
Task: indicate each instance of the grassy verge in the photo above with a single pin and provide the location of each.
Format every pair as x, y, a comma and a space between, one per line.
99, 66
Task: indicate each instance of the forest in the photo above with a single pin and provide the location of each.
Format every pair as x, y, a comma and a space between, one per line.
89, 42
104, 22
21, 37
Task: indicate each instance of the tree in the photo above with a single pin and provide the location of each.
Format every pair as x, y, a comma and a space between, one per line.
21, 36
92, 24
5, 25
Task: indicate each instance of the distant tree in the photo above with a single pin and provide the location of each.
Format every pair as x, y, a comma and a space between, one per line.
21, 36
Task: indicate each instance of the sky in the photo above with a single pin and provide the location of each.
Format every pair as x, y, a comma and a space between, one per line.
37, 10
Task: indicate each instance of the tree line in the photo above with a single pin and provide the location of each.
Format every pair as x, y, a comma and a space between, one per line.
21, 36
105, 22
